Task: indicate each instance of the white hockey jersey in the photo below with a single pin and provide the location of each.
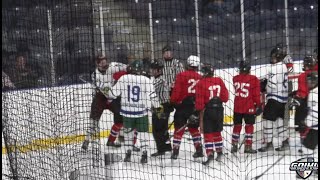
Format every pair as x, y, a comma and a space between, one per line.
277, 86
106, 79
137, 95
312, 118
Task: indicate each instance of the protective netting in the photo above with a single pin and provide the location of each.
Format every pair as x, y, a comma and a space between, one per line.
46, 115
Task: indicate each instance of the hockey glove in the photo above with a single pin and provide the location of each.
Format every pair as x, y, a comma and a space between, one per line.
159, 112
193, 119
263, 85
105, 91
259, 110
294, 102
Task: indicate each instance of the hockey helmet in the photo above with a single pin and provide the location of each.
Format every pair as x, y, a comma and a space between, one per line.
244, 67
193, 61
312, 79
157, 64
207, 70
136, 67
308, 62
278, 53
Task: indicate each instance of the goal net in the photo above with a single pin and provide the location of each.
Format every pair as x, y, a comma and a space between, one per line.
49, 48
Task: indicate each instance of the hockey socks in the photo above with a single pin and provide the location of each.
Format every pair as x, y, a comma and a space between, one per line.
236, 133
211, 140
114, 131
249, 131
196, 137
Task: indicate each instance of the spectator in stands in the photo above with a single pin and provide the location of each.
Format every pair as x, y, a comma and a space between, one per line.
23, 75
6, 82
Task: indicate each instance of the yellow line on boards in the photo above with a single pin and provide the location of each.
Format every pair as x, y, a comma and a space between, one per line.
48, 143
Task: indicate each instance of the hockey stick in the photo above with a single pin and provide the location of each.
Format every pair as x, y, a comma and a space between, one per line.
263, 173
169, 127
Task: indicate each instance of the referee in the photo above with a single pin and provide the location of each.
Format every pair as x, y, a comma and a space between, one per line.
164, 73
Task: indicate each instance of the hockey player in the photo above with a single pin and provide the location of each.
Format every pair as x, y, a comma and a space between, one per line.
301, 95
137, 97
277, 97
103, 81
183, 95
211, 92
160, 121
310, 133
247, 105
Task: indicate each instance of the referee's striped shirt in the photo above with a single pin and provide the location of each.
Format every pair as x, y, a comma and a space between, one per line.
170, 70
161, 89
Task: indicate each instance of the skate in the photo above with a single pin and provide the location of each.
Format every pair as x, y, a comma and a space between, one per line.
268, 147
234, 148
144, 157
209, 159
285, 146
85, 145
128, 156
158, 153
219, 156
113, 144
199, 152
248, 149
175, 153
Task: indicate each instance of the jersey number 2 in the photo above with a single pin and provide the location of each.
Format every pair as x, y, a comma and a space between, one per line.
191, 87
134, 92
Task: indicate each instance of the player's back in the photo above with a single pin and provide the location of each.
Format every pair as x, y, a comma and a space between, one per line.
184, 85
277, 86
247, 93
210, 87
135, 93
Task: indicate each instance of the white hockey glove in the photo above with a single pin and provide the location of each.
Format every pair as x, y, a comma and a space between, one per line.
294, 102
105, 91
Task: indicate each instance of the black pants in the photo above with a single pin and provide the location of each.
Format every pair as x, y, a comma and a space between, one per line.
160, 127
301, 113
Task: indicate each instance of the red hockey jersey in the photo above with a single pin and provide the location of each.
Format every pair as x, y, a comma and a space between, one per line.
184, 85
303, 90
117, 75
247, 93
210, 87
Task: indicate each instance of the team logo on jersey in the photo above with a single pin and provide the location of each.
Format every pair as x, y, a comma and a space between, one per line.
304, 167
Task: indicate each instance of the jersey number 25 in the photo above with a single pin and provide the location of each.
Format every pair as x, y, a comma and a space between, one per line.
242, 89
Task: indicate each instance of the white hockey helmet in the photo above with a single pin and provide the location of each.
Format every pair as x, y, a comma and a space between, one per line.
193, 61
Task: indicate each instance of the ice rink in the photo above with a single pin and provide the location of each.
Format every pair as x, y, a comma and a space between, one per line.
63, 160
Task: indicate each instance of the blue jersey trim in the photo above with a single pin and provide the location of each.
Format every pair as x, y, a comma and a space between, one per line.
280, 97
133, 112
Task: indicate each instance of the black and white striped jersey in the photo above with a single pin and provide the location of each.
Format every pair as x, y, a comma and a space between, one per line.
170, 70
161, 88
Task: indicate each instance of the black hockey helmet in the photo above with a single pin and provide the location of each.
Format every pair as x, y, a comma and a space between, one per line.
136, 67
166, 48
312, 79
157, 64
279, 53
308, 62
207, 69
244, 67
